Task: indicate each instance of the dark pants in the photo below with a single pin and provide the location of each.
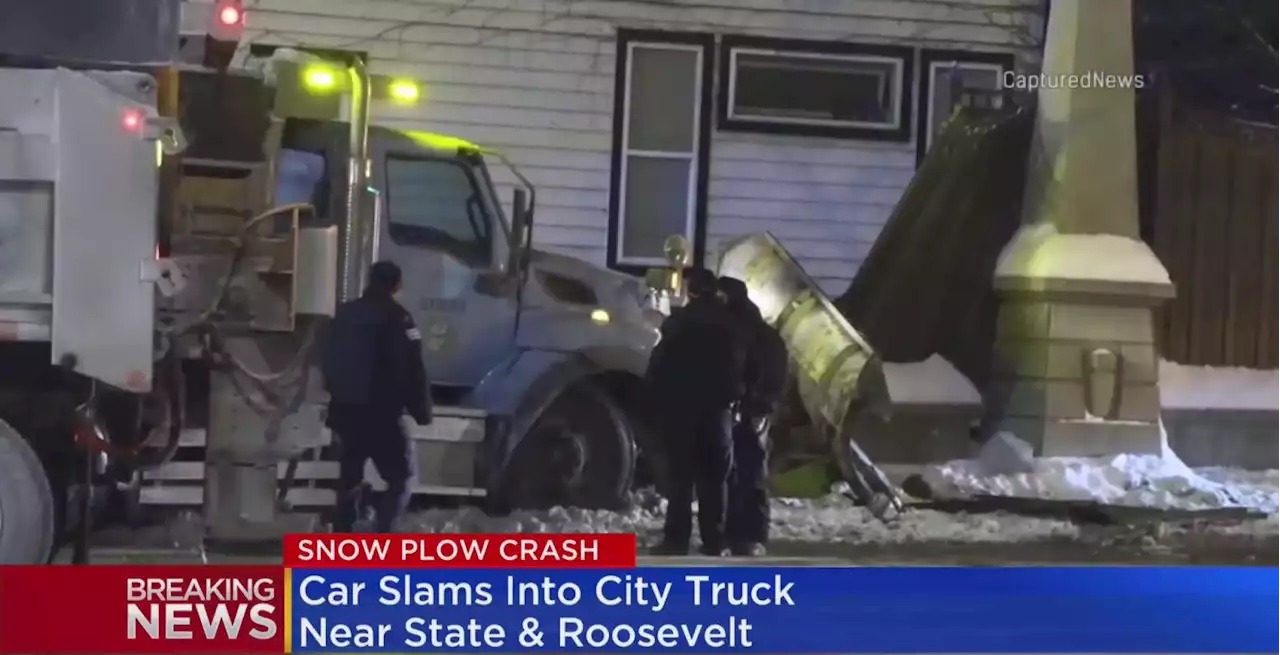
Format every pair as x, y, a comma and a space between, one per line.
748, 521
379, 438
700, 458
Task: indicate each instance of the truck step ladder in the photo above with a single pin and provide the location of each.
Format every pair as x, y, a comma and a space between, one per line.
446, 451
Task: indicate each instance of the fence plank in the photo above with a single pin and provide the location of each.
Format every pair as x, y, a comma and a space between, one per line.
1210, 265
1182, 226
1241, 313
1269, 298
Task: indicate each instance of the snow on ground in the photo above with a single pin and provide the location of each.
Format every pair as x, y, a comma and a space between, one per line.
833, 520
1204, 387
1004, 467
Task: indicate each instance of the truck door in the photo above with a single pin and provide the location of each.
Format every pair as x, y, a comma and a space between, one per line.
439, 220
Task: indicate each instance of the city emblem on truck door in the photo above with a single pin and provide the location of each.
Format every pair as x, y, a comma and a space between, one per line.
438, 336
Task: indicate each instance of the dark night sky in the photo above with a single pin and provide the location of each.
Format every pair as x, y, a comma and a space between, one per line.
1218, 54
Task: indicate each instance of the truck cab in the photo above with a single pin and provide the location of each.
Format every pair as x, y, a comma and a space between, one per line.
542, 345
535, 358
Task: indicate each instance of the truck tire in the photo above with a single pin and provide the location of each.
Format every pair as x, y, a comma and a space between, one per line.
580, 453
26, 502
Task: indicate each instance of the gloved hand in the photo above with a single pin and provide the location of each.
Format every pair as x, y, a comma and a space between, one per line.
761, 426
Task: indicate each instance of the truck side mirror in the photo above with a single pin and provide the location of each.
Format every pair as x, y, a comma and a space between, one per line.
521, 222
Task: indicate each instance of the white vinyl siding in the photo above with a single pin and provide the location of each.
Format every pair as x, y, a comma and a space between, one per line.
535, 78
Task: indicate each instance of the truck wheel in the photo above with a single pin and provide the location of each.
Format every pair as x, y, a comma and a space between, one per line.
26, 502
581, 453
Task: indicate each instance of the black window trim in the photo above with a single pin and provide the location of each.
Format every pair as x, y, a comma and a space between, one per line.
931, 56
702, 156
467, 170
903, 55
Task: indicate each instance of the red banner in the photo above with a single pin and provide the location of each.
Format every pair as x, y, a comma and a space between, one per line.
142, 609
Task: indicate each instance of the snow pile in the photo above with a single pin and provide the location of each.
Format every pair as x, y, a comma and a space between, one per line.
645, 515
834, 519
1004, 467
1204, 387
933, 381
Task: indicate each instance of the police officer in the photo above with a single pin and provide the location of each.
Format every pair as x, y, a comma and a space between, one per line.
696, 374
374, 374
764, 383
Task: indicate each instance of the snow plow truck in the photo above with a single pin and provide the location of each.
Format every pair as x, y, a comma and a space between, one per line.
171, 242
174, 234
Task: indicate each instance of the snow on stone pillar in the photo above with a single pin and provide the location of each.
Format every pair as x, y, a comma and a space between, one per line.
1075, 346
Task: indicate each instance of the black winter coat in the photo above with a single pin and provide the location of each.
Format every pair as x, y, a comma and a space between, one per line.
373, 360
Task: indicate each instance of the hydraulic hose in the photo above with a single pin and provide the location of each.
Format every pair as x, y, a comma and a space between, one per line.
271, 385
175, 398
224, 286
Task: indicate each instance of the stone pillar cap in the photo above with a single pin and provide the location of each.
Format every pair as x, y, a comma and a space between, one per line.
1039, 258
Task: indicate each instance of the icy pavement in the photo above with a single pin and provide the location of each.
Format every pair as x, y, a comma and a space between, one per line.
834, 526
832, 519
1005, 467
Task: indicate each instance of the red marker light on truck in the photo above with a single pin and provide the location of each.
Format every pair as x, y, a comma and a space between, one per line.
230, 15
132, 120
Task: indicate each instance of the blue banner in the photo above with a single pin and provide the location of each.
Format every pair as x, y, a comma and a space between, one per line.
787, 610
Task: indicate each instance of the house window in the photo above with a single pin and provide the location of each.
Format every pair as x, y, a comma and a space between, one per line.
660, 143
948, 75
818, 89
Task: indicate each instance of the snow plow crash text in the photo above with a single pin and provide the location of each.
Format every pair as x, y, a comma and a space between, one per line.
461, 550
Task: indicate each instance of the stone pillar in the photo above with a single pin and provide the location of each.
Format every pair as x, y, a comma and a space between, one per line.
1076, 361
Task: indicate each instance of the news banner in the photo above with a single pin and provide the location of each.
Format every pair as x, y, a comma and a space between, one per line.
584, 593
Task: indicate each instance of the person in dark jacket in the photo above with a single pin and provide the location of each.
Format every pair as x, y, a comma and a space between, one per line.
374, 373
764, 384
695, 375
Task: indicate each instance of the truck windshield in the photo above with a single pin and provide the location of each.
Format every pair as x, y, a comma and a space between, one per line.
436, 203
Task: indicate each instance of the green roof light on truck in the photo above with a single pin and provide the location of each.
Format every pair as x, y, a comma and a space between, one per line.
319, 78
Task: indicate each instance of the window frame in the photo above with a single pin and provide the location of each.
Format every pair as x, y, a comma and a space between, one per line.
931, 59
902, 59
628, 41
469, 258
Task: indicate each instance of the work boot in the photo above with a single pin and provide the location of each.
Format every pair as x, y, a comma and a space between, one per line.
669, 549
749, 549
707, 550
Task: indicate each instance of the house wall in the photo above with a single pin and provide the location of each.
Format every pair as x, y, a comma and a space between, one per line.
535, 78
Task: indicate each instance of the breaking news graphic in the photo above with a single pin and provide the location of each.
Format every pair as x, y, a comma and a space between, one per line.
143, 609
584, 593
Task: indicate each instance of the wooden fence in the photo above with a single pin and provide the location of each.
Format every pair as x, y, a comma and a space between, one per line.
1212, 220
